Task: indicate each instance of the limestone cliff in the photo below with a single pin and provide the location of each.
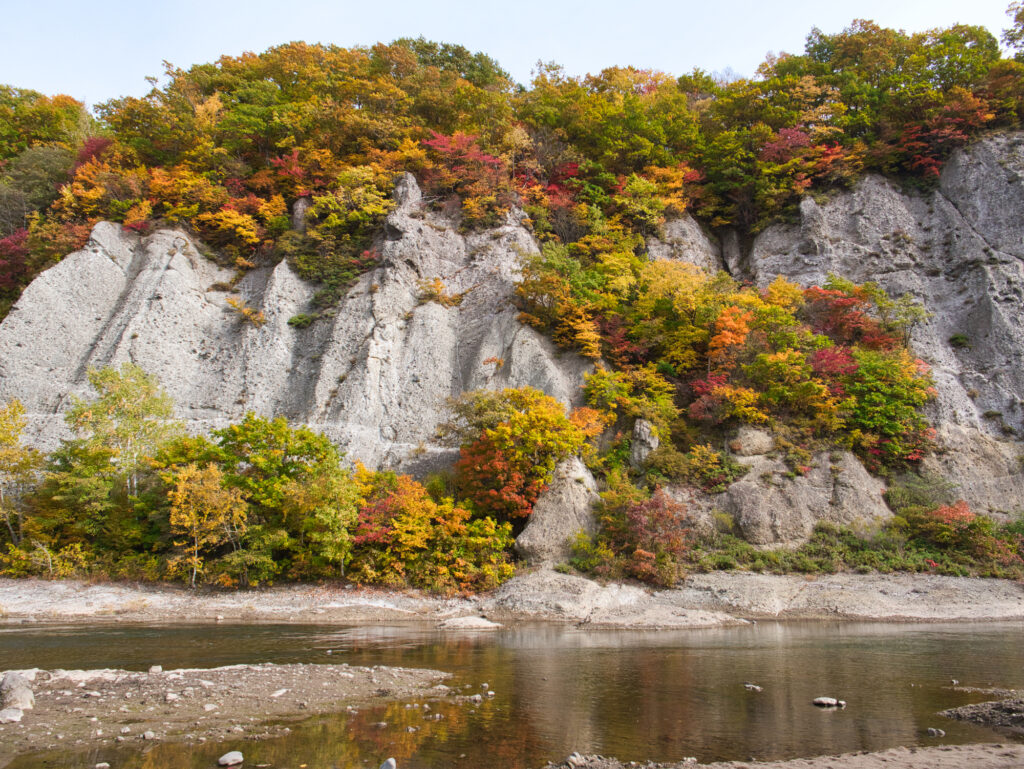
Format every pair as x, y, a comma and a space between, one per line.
958, 250
375, 374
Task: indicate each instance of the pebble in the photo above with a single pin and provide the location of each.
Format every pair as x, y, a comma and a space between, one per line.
932, 732
829, 702
389, 764
156, 669
279, 693
170, 697
753, 687
233, 758
149, 735
209, 707
102, 765
11, 715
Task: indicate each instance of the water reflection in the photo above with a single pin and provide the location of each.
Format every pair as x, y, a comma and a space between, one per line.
637, 695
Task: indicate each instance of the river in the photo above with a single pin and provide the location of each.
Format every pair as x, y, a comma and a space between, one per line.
636, 695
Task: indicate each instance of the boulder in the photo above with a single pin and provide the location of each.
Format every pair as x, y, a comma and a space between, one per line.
563, 510
16, 692
771, 507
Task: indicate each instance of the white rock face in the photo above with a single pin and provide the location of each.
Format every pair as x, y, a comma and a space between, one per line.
959, 251
752, 441
684, 240
770, 508
645, 441
561, 512
374, 377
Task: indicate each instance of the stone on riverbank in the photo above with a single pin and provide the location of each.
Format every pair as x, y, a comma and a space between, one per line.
16, 692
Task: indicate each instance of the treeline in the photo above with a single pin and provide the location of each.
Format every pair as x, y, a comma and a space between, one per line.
227, 148
132, 495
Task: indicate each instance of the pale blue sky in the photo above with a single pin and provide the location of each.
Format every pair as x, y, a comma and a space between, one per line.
98, 49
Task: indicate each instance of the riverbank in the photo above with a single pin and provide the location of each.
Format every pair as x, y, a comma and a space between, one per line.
83, 709
992, 756
703, 600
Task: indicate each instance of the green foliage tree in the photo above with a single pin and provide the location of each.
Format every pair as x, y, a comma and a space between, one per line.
127, 421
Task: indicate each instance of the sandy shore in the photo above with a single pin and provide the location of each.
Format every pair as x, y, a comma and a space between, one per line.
703, 600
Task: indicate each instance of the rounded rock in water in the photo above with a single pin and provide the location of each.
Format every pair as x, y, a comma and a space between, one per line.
233, 758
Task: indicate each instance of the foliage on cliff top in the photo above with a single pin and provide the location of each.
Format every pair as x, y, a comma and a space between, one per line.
227, 148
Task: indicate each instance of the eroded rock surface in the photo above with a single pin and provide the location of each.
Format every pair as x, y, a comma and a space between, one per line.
957, 250
562, 511
374, 375
772, 506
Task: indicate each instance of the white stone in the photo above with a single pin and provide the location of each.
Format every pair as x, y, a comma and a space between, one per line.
232, 758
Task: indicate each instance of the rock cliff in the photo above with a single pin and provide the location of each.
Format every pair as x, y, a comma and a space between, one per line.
959, 250
374, 376
374, 373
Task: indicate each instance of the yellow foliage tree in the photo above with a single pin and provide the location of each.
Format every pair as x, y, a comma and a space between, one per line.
205, 511
18, 465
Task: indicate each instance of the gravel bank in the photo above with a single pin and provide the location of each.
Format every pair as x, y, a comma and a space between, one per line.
703, 600
1006, 715
76, 709
942, 757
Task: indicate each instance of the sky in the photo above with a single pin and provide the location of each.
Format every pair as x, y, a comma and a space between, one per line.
94, 50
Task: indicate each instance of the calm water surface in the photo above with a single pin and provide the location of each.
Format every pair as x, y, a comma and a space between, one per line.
636, 695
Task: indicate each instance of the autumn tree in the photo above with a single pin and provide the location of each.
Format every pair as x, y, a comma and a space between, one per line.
130, 417
205, 511
18, 467
511, 442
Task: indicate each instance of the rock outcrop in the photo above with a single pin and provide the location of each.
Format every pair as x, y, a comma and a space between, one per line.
771, 505
373, 374
562, 511
958, 250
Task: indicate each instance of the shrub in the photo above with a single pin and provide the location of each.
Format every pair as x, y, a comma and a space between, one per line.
511, 442
711, 470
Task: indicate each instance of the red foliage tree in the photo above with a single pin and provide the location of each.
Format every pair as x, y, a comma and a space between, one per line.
13, 256
493, 483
